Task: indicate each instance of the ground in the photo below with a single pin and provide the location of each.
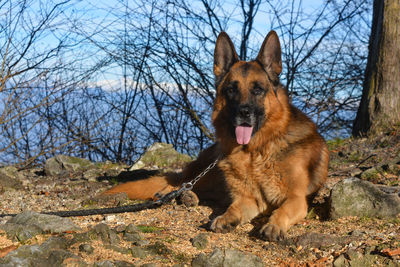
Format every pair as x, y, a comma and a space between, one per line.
316, 241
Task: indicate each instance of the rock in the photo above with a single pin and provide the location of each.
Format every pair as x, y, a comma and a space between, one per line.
160, 155
200, 241
158, 248
21, 233
103, 264
319, 240
83, 237
63, 165
51, 253
341, 261
226, 258
57, 257
123, 264
358, 259
107, 235
74, 262
370, 174
55, 242
29, 224
139, 252
131, 228
355, 197
10, 171
87, 248
23, 256
92, 175
133, 234
47, 223
10, 178
135, 238
119, 249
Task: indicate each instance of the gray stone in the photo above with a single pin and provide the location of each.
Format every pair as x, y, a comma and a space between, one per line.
370, 174
133, 234
226, 258
23, 256
82, 237
123, 264
320, 240
133, 237
62, 165
237, 258
107, 235
357, 259
47, 223
21, 233
341, 261
10, 178
158, 248
160, 155
51, 253
92, 174
131, 228
200, 241
57, 257
355, 197
87, 248
119, 249
139, 252
103, 264
55, 242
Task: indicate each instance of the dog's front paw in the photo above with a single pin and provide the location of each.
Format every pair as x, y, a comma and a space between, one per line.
273, 232
224, 224
189, 199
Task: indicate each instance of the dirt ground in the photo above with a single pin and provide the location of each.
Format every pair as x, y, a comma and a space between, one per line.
175, 225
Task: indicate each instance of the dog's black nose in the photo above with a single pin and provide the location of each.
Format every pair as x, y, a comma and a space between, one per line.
244, 111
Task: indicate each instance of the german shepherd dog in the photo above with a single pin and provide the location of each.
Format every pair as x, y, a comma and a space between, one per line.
271, 155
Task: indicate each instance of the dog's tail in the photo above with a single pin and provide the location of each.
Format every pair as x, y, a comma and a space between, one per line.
147, 188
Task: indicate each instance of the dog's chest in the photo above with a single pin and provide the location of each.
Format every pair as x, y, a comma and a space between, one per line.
255, 175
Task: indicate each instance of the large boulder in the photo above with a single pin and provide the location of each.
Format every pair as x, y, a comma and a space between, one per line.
160, 156
355, 197
62, 165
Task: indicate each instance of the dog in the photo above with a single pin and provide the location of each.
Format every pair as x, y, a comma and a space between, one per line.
271, 157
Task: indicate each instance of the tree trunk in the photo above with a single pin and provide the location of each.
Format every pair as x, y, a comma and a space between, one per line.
379, 109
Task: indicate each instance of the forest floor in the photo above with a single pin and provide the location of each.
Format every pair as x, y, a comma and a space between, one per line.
316, 241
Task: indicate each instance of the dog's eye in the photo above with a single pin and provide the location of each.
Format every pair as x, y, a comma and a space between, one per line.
231, 90
257, 91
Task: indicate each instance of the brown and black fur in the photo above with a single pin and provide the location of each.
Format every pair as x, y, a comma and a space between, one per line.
285, 160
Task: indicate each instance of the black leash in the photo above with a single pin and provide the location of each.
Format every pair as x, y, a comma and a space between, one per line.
130, 208
127, 208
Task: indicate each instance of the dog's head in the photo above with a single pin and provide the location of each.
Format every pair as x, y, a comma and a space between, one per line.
245, 89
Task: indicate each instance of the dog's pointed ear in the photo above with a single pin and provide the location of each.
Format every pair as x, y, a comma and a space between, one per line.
224, 56
270, 56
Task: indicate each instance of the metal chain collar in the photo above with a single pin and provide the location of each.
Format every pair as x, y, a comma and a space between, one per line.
186, 186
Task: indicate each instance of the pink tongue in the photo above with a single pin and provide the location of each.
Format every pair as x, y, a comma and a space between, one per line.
243, 134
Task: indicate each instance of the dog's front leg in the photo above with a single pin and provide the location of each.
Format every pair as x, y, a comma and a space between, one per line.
242, 210
292, 210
